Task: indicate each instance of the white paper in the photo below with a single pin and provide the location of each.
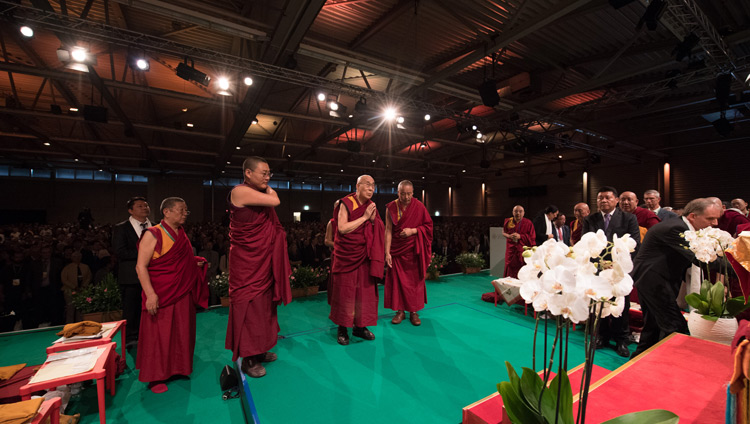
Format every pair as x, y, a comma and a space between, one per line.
65, 364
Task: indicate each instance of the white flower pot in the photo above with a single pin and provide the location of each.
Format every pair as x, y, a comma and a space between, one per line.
720, 331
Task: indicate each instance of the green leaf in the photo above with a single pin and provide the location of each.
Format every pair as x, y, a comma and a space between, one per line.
652, 416
705, 287
736, 305
517, 409
710, 318
717, 299
513, 377
531, 387
694, 300
566, 397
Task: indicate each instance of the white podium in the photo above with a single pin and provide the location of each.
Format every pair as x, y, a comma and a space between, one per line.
497, 251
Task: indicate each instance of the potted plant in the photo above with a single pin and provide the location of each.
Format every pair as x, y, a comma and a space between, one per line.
306, 279
437, 262
100, 302
713, 308
571, 285
219, 286
470, 262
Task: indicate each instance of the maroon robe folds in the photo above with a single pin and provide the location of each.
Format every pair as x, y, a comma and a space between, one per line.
514, 249
258, 279
576, 231
358, 260
410, 256
167, 339
730, 220
646, 218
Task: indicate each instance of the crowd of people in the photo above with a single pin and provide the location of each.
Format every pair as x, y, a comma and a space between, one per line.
162, 266
35, 255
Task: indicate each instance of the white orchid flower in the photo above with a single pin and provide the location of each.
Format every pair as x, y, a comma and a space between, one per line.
571, 306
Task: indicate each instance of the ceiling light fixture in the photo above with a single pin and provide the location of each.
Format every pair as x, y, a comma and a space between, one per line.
248, 81
26, 31
321, 97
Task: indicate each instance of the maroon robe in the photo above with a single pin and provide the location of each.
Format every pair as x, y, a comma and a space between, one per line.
730, 220
514, 250
358, 260
646, 218
258, 279
576, 231
410, 256
167, 339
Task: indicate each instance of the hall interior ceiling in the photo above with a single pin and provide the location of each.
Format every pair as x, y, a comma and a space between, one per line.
580, 84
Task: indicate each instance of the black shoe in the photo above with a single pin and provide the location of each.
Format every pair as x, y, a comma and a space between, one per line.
622, 349
600, 344
363, 332
343, 338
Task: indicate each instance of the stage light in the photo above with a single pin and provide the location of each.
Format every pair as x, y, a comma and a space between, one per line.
427, 117
189, 125
184, 109
75, 160
254, 122
522, 161
479, 136
46, 143
389, 114
189, 73
559, 156
400, 120
238, 147
463, 170
473, 127
333, 106
248, 81
321, 97
79, 54
223, 87
26, 31
423, 145
142, 64
73, 109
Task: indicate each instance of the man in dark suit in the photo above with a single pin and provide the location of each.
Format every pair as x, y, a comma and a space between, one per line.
543, 225
125, 236
652, 199
560, 230
660, 266
612, 220
46, 286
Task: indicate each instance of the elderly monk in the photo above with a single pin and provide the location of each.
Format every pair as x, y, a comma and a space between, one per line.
646, 218
408, 250
173, 282
730, 217
358, 260
258, 269
740, 205
518, 232
580, 211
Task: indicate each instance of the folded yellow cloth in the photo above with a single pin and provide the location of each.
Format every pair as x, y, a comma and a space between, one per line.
19, 412
83, 328
7, 372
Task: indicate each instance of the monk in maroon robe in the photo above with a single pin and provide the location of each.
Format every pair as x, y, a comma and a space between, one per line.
518, 232
408, 250
646, 218
174, 282
258, 269
732, 218
358, 260
581, 211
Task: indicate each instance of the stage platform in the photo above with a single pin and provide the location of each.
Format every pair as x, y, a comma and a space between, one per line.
423, 374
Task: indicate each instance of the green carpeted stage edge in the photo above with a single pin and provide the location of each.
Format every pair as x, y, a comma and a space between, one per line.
420, 374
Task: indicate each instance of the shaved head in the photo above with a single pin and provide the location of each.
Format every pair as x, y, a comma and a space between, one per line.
581, 210
628, 201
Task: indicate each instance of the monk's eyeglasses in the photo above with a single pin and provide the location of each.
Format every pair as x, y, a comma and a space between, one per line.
368, 184
265, 174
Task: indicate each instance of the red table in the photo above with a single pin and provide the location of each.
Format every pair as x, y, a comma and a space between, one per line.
120, 327
103, 372
682, 374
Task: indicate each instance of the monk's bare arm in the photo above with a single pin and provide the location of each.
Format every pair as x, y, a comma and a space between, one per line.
246, 196
329, 235
145, 252
346, 226
388, 238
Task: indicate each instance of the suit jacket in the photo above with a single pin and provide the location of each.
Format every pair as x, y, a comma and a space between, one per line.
566, 234
665, 214
125, 243
620, 223
662, 256
540, 228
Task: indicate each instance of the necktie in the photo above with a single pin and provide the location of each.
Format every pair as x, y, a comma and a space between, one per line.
144, 225
606, 221
559, 231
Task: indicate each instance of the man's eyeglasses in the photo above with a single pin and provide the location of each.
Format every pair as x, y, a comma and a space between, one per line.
181, 211
265, 174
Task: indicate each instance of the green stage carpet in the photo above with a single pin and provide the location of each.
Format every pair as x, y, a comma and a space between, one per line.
410, 374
